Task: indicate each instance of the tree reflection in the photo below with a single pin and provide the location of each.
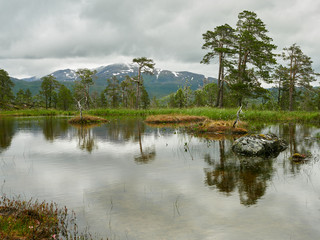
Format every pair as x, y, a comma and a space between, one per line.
249, 176
146, 155
253, 177
222, 176
86, 139
6, 133
53, 128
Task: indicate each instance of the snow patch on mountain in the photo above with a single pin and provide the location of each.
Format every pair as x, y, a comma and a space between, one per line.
175, 74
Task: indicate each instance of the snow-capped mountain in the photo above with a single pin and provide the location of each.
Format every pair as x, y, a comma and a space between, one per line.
160, 83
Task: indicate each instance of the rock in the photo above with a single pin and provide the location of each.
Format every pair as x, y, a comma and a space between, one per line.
259, 145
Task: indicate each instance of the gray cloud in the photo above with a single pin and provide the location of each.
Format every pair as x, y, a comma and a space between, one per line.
169, 31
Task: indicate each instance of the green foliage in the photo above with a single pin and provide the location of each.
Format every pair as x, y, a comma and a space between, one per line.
103, 100
245, 56
145, 100
128, 93
6, 85
210, 91
180, 99
113, 91
145, 65
65, 99
200, 98
220, 43
48, 86
299, 72
82, 86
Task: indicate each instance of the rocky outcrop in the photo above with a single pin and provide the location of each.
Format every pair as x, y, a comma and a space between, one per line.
259, 145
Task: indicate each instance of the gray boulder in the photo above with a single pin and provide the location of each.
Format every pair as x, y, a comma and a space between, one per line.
259, 145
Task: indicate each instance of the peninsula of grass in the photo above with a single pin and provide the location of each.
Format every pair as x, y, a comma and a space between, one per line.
87, 120
22, 220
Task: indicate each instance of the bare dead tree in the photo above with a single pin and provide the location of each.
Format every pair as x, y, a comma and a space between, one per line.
238, 117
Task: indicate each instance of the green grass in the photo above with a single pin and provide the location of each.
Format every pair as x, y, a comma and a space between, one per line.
212, 113
218, 114
37, 112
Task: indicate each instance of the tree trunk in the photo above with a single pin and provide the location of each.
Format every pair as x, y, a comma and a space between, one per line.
279, 92
219, 81
291, 87
221, 89
138, 88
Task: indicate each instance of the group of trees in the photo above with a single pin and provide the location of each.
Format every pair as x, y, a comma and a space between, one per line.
246, 59
130, 93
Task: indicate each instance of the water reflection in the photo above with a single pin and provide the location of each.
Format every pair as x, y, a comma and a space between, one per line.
86, 139
52, 128
147, 154
229, 173
6, 133
141, 182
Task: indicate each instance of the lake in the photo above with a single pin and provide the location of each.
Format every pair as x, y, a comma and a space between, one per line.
128, 180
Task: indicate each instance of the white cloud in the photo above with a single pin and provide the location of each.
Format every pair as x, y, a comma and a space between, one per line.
41, 35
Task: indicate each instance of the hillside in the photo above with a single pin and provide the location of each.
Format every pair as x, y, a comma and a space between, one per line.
159, 84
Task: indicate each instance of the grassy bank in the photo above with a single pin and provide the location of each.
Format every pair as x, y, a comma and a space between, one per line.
212, 113
21, 220
219, 114
36, 112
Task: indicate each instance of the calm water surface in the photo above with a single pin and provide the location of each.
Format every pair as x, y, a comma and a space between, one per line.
127, 180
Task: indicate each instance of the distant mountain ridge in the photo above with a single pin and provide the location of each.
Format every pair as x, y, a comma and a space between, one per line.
160, 83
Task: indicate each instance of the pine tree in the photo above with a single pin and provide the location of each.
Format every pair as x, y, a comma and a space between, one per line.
48, 86
145, 65
113, 91
180, 99
254, 57
28, 97
128, 93
20, 97
300, 71
220, 44
145, 100
281, 78
65, 99
6, 86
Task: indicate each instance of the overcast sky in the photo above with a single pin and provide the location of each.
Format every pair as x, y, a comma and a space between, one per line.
41, 36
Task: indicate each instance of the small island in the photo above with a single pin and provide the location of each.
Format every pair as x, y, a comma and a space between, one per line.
86, 120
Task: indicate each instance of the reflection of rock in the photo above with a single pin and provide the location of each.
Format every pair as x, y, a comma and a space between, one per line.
249, 176
259, 145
